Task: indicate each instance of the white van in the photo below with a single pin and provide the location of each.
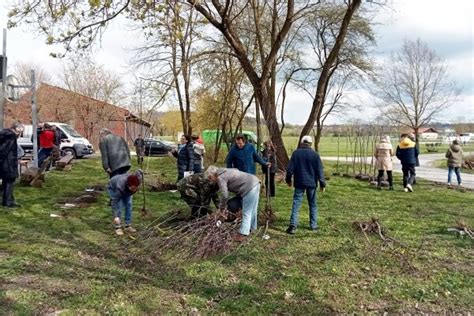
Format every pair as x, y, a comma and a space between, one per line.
71, 141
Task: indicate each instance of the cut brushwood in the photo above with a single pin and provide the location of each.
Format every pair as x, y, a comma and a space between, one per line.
375, 228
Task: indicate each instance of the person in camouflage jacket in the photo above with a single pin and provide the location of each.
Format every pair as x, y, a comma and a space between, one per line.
198, 191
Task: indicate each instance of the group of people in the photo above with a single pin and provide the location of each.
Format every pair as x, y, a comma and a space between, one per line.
304, 173
407, 152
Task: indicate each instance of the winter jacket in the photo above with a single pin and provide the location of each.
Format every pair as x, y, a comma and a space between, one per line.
8, 154
185, 155
119, 184
306, 168
199, 151
454, 155
407, 152
244, 158
269, 155
235, 181
383, 154
46, 139
115, 152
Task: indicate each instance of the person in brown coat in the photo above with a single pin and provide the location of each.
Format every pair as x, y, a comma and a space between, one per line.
454, 155
383, 153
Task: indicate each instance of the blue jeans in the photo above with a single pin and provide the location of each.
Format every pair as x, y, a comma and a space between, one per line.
43, 154
456, 171
249, 210
313, 208
119, 202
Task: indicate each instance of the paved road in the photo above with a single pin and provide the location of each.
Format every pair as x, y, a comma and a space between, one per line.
427, 171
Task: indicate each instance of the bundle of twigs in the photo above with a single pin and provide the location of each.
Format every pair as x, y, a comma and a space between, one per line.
203, 237
375, 228
462, 229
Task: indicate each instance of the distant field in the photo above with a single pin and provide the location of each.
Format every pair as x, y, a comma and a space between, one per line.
330, 146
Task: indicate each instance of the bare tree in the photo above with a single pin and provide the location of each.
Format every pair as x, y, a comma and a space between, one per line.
414, 86
82, 75
22, 72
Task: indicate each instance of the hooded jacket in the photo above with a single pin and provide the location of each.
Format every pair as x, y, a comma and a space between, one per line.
454, 155
8, 155
407, 152
119, 183
383, 154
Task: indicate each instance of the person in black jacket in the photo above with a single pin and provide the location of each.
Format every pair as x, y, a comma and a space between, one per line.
307, 170
407, 153
9, 162
185, 155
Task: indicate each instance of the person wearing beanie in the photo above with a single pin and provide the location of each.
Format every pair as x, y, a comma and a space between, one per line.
306, 169
383, 154
121, 188
407, 153
454, 155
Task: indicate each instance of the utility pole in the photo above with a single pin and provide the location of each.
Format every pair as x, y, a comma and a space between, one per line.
4, 79
34, 118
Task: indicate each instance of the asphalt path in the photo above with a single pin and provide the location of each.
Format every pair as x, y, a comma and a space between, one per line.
426, 170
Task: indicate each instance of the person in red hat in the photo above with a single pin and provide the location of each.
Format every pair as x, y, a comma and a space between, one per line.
121, 188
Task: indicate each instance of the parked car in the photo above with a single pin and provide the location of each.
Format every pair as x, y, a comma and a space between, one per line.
155, 147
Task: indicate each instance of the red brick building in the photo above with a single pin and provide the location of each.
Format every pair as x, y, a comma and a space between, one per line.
85, 114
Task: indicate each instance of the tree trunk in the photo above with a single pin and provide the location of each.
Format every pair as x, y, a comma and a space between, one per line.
323, 80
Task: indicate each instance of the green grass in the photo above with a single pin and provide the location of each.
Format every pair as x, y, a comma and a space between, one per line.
76, 265
329, 146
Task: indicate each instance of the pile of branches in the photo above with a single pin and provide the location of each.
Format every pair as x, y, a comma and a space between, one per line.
462, 229
203, 237
468, 162
375, 228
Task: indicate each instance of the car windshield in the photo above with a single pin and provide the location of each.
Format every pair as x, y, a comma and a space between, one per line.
71, 131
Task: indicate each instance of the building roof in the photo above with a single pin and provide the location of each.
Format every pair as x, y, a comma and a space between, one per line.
58, 104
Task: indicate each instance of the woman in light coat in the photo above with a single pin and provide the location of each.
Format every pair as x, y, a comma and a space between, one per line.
383, 154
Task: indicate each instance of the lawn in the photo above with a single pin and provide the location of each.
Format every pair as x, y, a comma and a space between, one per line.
330, 146
74, 264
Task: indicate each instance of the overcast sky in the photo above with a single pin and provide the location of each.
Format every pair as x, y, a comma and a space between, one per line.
447, 27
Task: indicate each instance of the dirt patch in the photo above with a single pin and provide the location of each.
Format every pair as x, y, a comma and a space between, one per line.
80, 199
54, 287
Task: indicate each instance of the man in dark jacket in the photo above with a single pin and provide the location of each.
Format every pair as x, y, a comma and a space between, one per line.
139, 148
9, 162
115, 153
243, 156
306, 169
407, 153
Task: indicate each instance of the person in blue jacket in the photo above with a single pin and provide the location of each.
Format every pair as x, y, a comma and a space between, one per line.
306, 169
407, 153
184, 155
243, 156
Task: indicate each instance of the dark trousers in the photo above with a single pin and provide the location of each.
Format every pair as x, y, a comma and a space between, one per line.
122, 170
389, 176
408, 174
270, 184
43, 154
197, 167
7, 194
